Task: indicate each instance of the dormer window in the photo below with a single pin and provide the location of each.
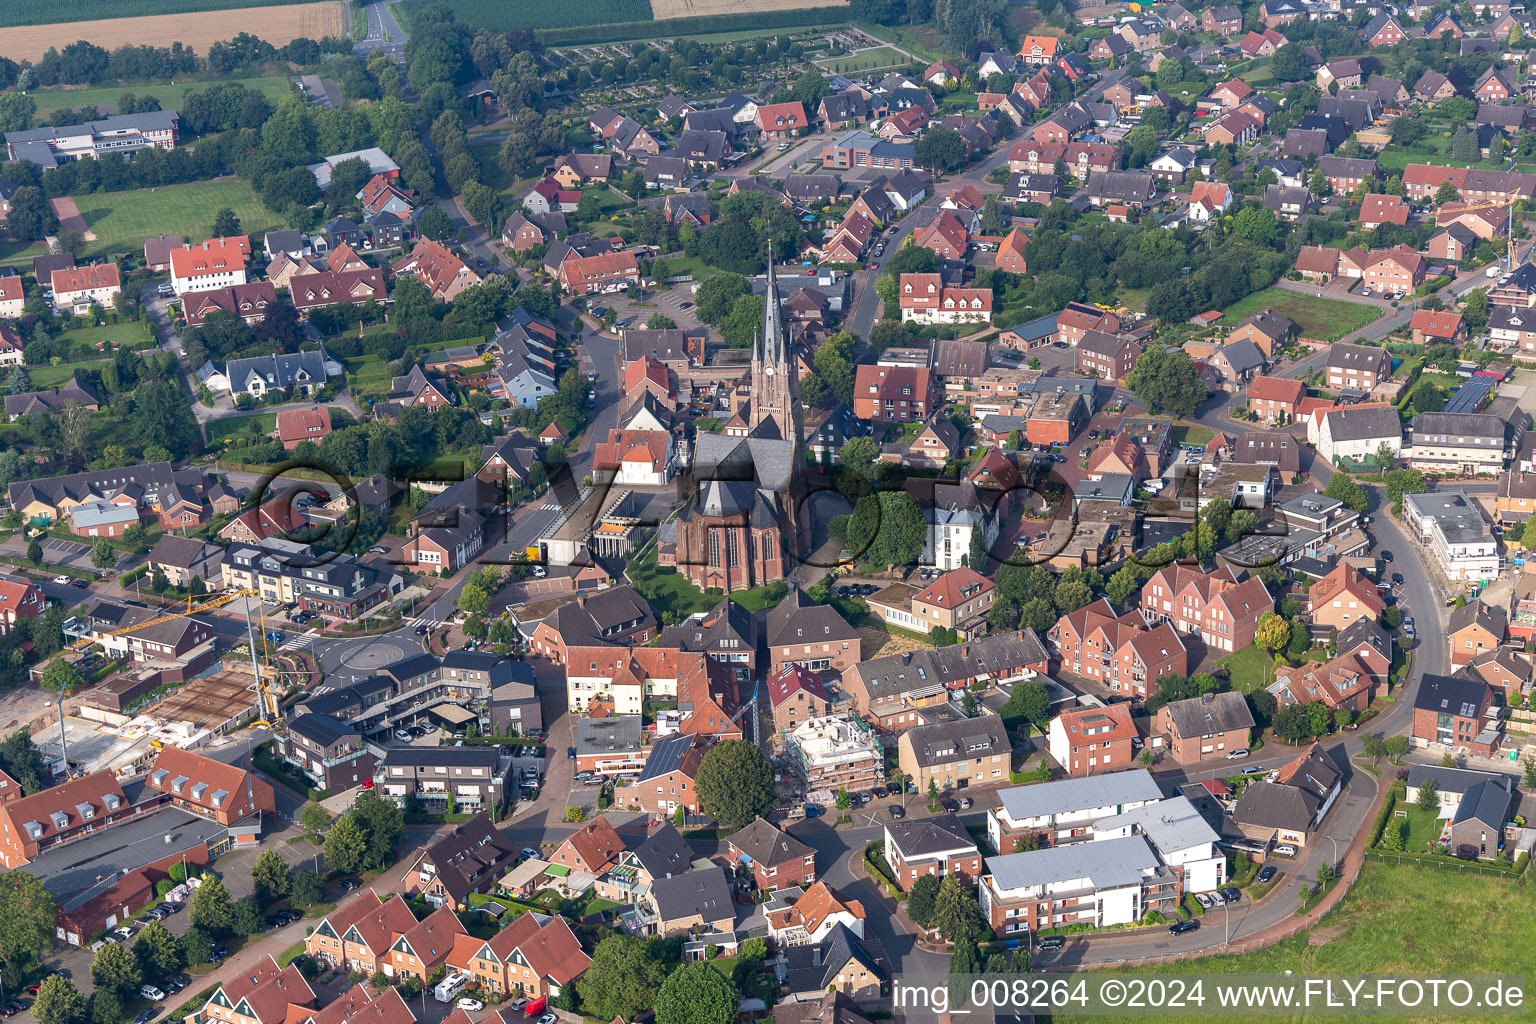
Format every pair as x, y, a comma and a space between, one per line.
178, 783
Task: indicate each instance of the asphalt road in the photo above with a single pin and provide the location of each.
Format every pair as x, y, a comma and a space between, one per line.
384, 32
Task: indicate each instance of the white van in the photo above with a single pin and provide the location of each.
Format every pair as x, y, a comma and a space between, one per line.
447, 990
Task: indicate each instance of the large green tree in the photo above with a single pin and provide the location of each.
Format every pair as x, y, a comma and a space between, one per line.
157, 950
622, 981
382, 825
696, 993
212, 906
115, 968
1166, 381
27, 914
346, 847
735, 784
59, 1002
270, 876
887, 529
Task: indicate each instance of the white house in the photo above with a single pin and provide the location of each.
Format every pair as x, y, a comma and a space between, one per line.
1357, 433
77, 289
1452, 526
949, 535
1179, 834
216, 263
12, 298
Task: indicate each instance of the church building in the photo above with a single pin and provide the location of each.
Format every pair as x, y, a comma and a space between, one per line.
735, 530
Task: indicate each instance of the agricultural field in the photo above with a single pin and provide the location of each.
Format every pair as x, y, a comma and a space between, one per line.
273, 87
705, 8
1319, 318
198, 27
864, 60
502, 15
122, 220
1396, 919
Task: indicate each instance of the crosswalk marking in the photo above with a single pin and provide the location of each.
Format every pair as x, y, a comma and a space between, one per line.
429, 623
303, 640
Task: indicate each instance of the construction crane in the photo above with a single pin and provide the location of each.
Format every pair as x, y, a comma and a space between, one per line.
1496, 204
268, 700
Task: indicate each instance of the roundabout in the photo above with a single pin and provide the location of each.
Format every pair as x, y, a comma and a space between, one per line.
359, 658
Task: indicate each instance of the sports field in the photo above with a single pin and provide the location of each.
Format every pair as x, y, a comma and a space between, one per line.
123, 220
273, 87
1319, 318
197, 27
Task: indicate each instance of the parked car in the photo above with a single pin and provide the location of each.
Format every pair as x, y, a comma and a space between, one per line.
151, 993
377, 550
469, 1004
965, 803
1285, 850
898, 811
529, 853
402, 736
570, 753
1397, 579
1231, 895
1202, 899
144, 1017
1051, 942
1254, 769
169, 986
62, 581
1264, 876
1179, 928
516, 1005
1236, 755
1386, 556
11, 1008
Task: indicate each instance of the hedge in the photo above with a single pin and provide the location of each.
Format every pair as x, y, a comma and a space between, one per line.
670, 27
133, 575
1398, 789
262, 756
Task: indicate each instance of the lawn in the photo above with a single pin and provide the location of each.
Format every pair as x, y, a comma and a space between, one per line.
1423, 826
1249, 669
1396, 919
171, 97
758, 598
864, 60
666, 589
123, 220
253, 427
1319, 318
1187, 434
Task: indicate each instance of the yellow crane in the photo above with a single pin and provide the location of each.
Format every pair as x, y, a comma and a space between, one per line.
1496, 204
268, 699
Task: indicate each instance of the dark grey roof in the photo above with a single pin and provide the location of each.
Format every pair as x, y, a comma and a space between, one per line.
962, 740
1365, 632
1469, 428
597, 617
762, 843
1491, 617
921, 669
612, 735
919, 837
1128, 186
704, 893
797, 619
77, 872
1451, 695
1271, 805
1210, 713
1487, 803
1363, 424
1243, 356
451, 757
321, 729
1454, 780
664, 853
812, 968
1344, 356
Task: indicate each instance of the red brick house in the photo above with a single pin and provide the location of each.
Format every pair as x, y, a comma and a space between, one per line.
781, 120
1091, 739
1107, 356
892, 393
1211, 725
1275, 399
304, 424
938, 846
777, 859
797, 695
605, 272
1438, 326
592, 848
1118, 650
1214, 606
1010, 254
1451, 711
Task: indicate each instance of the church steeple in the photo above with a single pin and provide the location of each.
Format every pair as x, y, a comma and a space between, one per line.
775, 405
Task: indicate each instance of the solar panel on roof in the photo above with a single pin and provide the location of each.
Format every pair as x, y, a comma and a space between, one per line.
1469, 397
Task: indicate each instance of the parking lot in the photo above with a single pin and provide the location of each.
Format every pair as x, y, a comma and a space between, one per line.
63, 552
667, 302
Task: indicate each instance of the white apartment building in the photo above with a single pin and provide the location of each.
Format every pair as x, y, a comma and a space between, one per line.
1452, 526
77, 289
1065, 810
216, 263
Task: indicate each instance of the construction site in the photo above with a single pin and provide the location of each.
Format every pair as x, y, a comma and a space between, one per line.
97, 737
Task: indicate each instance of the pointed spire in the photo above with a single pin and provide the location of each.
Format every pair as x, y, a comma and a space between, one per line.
757, 348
